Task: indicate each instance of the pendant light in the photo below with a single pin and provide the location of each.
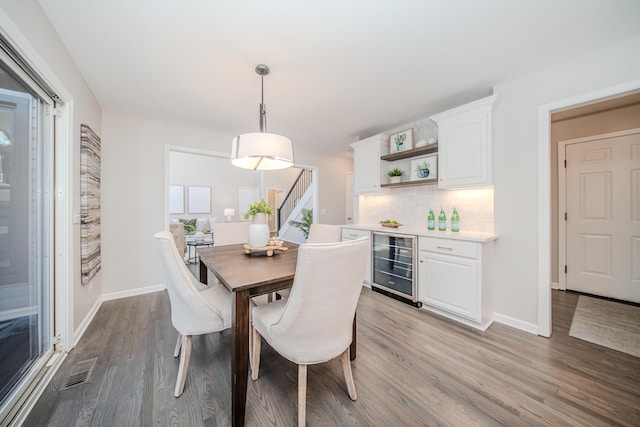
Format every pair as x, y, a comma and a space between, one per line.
262, 150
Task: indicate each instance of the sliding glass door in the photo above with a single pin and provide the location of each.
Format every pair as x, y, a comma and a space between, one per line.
26, 327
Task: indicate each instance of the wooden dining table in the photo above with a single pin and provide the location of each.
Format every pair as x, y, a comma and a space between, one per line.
247, 276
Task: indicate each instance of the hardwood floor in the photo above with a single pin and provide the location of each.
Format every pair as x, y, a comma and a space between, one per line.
413, 369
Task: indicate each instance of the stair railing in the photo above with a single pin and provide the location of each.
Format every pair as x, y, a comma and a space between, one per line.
299, 187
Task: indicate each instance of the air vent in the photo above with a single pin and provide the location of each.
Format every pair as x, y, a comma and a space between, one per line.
80, 373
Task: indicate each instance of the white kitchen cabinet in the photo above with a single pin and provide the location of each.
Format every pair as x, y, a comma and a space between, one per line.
354, 233
452, 280
464, 145
368, 175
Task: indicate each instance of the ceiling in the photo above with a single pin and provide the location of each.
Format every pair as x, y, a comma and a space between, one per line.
340, 69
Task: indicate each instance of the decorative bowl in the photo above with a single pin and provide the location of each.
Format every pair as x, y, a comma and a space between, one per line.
389, 224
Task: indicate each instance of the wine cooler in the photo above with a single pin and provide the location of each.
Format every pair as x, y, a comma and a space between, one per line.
394, 266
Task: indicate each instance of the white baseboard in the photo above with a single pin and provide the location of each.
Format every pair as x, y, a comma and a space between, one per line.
108, 297
480, 326
86, 322
555, 285
516, 323
133, 292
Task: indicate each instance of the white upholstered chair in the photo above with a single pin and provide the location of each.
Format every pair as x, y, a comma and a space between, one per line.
315, 324
177, 229
324, 233
230, 233
319, 233
195, 309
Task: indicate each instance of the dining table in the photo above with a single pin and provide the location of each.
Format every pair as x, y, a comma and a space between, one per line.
245, 276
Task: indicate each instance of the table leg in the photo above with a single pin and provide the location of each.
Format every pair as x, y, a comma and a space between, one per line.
239, 356
204, 273
352, 349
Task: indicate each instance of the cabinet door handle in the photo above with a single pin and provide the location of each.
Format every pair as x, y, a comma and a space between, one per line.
421, 260
444, 247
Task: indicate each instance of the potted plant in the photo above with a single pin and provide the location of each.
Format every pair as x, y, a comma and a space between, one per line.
258, 231
422, 169
395, 175
259, 207
305, 224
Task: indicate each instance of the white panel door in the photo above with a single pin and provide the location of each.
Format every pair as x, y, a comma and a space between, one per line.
603, 217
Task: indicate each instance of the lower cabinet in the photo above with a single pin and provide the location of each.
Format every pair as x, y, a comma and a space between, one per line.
451, 276
352, 234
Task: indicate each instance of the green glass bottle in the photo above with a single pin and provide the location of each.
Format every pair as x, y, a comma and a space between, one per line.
455, 221
442, 221
431, 220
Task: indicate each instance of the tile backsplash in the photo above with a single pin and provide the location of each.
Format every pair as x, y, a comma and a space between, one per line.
411, 206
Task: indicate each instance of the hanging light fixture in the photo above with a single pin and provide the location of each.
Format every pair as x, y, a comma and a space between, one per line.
262, 150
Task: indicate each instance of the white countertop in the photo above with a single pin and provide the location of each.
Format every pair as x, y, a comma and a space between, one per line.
422, 231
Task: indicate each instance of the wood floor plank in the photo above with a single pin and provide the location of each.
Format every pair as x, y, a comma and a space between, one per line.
414, 368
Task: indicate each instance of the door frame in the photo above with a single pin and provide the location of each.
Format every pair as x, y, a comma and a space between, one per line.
544, 188
61, 225
562, 194
168, 148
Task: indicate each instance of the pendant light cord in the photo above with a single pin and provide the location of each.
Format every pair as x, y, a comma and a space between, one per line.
263, 110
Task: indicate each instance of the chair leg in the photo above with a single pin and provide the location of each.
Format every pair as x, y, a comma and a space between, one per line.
348, 377
255, 342
302, 395
176, 352
184, 364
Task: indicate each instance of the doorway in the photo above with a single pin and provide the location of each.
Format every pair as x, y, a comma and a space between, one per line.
546, 185
274, 200
26, 233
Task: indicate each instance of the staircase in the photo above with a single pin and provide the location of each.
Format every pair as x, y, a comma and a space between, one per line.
299, 197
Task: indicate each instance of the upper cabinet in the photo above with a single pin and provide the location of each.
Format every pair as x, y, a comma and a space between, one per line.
464, 145
368, 175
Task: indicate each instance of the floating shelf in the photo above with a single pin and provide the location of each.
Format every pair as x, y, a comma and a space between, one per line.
410, 153
411, 183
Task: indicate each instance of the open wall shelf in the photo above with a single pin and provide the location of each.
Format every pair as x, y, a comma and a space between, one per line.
410, 153
411, 183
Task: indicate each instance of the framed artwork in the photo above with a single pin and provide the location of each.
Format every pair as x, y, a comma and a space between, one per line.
90, 254
401, 141
176, 199
424, 168
199, 200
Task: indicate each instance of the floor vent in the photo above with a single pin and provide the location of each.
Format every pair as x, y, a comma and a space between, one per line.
80, 373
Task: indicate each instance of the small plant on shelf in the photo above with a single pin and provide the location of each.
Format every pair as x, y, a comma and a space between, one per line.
395, 172
395, 175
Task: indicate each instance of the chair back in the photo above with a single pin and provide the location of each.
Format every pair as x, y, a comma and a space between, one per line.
177, 230
316, 323
230, 233
324, 233
190, 314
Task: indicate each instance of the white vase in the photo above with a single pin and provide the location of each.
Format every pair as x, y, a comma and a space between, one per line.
395, 179
259, 231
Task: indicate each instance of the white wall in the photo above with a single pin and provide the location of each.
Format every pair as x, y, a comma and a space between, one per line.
133, 191
218, 173
35, 27
515, 164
